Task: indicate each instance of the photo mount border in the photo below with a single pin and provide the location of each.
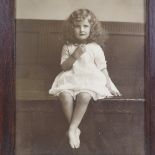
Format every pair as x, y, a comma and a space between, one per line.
8, 72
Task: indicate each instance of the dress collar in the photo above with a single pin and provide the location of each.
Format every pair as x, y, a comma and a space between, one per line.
77, 42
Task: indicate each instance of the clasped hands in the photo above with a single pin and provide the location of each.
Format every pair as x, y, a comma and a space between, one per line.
79, 51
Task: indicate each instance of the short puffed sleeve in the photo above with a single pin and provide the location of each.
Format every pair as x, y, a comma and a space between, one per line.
100, 60
64, 53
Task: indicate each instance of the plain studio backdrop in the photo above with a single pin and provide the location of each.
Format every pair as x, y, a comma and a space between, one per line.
105, 10
110, 126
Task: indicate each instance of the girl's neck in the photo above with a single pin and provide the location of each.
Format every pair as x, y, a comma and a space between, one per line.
81, 41
76, 41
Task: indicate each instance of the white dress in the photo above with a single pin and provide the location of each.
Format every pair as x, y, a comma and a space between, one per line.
85, 74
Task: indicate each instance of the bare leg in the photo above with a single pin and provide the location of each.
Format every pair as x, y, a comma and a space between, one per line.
82, 102
80, 109
67, 106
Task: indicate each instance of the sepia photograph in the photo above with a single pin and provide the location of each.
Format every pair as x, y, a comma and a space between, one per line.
77, 77
80, 77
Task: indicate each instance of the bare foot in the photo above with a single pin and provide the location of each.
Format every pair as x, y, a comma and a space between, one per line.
78, 132
72, 138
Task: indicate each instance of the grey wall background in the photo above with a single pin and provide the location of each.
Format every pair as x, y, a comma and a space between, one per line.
105, 10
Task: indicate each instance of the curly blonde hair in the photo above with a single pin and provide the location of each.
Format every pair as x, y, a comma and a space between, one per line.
97, 33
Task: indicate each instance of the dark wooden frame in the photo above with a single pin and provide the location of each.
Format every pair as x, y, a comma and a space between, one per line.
7, 78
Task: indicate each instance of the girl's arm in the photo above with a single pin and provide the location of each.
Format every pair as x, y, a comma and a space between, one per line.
107, 76
67, 64
108, 83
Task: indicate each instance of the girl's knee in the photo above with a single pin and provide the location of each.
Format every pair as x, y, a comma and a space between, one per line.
84, 97
65, 97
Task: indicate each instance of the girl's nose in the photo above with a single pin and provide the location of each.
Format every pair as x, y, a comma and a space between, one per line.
81, 28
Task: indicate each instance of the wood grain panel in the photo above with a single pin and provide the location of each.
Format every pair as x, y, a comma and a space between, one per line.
124, 52
150, 78
109, 127
27, 47
7, 77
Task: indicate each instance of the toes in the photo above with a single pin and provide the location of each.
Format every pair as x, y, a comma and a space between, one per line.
72, 145
77, 145
78, 132
72, 140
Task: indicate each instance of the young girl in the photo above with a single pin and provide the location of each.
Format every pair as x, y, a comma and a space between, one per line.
84, 74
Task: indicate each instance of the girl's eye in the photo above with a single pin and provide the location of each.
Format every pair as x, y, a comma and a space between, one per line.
76, 26
79, 26
86, 26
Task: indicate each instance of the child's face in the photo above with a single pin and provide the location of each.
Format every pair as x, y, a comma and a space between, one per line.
82, 29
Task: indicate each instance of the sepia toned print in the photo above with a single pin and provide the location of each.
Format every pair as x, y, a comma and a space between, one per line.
109, 124
84, 72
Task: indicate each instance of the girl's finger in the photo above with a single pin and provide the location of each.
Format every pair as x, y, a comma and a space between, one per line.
82, 45
119, 94
116, 93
